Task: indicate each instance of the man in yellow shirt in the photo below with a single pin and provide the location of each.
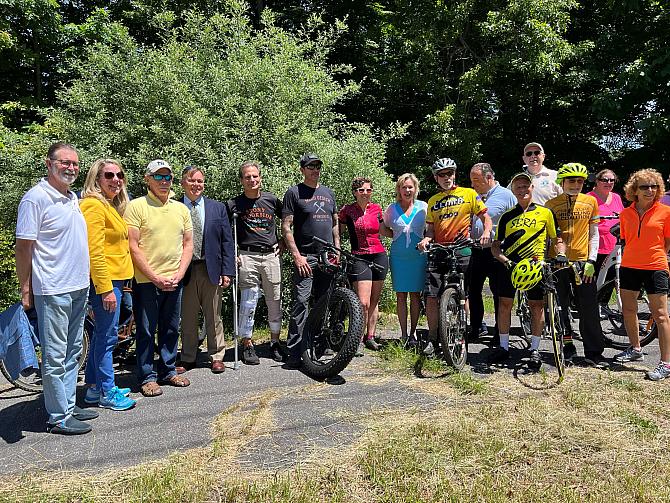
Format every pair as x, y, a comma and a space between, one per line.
160, 235
448, 218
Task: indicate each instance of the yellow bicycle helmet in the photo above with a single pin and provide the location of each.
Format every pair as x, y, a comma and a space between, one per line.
572, 169
526, 274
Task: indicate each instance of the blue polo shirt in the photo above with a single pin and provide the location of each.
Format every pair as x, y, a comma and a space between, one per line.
498, 200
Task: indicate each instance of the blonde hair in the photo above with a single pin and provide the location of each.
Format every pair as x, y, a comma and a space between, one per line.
92, 187
644, 174
401, 180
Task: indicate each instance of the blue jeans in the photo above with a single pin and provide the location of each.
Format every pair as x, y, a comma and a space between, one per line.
61, 321
155, 308
99, 368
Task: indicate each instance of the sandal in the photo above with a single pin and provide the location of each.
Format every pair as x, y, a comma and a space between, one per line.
177, 380
151, 388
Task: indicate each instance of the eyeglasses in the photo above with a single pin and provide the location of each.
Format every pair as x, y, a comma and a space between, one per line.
362, 190
607, 180
159, 178
574, 179
109, 175
445, 174
313, 167
648, 187
533, 152
67, 163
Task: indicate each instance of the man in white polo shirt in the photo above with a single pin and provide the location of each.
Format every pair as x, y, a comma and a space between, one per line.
543, 178
52, 266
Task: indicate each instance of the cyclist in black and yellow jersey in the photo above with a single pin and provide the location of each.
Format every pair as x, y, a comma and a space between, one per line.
522, 233
577, 217
449, 216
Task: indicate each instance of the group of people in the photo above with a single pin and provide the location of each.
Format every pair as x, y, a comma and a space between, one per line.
181, 255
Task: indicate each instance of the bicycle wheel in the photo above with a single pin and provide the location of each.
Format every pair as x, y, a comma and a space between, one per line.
332, 341
555, 331
614, 330
523, 313
452, 333
30, 379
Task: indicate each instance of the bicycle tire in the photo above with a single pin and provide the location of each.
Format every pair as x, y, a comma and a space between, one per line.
30, 379
614, 330
452, 334
555, 331
332, 342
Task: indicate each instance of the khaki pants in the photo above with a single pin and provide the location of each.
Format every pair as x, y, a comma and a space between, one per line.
199, 294
263, 270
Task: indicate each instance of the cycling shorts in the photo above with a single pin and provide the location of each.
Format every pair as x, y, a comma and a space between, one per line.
635, 279
437, 267
360, 271
506, 288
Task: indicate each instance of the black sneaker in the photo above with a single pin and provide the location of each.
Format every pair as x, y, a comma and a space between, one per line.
71, 426
277, 351
293, 363
428, 350
569, 352
372, 344
84, 414
249, 355
596, 362
534, 360
499, 355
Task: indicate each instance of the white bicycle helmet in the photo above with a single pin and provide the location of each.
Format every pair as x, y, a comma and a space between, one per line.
442, 164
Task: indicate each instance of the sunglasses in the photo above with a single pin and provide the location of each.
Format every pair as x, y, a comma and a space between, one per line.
313, 167
533, 152
159, 178
648, 187
109, 175
445, 174
607, 180
363, 190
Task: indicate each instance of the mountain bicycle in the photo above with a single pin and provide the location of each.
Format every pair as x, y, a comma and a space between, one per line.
335, 324
452, 323
609, 300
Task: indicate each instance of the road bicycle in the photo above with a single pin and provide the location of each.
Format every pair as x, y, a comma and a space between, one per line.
452, 323
335, 324
609, 300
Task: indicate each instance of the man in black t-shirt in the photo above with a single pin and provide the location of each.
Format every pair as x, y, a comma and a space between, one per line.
309, 210
258, 259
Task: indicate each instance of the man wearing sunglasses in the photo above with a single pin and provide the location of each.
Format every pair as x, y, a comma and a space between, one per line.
52, 266
309, 210
543, 178
160, 235
211, 270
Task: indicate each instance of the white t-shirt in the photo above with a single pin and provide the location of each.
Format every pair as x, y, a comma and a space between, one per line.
54, 221
544, 185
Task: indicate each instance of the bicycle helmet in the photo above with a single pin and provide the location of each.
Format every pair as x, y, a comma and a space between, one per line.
442, 164
572, 169
526, 274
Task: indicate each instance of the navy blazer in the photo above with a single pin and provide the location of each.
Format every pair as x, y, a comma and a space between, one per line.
217, 242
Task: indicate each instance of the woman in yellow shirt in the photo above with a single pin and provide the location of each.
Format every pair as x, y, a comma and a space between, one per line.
104, 200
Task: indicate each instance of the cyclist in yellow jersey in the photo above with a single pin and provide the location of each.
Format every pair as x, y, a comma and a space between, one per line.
577, 216
448, 218
522, 233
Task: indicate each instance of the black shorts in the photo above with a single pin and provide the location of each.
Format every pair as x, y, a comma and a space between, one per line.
360, 271
635, 279
506, 288
436, 268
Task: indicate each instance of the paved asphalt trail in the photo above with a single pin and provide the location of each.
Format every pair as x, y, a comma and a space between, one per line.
307, 415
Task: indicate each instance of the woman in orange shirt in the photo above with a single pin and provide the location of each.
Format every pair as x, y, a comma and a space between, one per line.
645, 228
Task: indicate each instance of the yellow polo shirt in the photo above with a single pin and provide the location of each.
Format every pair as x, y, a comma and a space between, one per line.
162, 228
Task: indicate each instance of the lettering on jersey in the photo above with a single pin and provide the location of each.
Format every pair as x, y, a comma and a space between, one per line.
523, 221
574, 214
447, 202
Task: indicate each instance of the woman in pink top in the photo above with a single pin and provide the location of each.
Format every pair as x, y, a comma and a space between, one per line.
361, 219
609, 203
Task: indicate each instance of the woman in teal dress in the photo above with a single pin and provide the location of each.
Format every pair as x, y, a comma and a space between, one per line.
405, 221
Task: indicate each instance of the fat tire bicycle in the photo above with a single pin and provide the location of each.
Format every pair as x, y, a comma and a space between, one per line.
452, 320
335, 324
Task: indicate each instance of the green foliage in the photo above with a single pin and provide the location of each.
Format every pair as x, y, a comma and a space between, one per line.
9, 285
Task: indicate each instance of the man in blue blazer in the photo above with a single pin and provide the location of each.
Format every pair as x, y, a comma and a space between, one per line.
212, 269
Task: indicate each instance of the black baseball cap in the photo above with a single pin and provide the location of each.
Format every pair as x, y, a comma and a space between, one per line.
309, 158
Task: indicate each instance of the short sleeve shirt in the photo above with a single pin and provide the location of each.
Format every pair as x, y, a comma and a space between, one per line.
574, 214
363, 227
451, 213
256, 220
645, 237
523, 234
162, 228
498, 200
54, 221
606, 241
544, 185
312, 210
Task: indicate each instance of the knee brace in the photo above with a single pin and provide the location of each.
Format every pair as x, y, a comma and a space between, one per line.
248, 302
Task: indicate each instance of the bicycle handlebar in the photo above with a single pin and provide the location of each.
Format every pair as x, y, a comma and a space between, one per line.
350, 256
